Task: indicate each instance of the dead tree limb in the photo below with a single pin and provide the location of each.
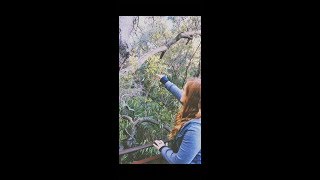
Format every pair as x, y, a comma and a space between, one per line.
143, 58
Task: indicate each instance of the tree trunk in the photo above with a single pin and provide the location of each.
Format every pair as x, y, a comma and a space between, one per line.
125, 28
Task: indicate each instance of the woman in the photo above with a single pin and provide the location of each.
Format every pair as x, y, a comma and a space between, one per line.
186, 133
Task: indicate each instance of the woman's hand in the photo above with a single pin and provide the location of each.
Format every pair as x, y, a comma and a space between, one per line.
160, 76
159, 144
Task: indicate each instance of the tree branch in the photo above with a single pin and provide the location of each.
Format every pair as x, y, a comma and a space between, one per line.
186, 73
127, 118
162, 54
150, 120
142, 59
199, 67
133, 132
124, 60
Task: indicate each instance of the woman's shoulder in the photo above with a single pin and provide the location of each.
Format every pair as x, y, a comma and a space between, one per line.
192, 124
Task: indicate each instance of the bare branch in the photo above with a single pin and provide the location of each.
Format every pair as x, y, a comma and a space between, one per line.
162, 54
199, 67
138, 122
186, 73
150, 120
188, 41
123, 61
127, 118
142, 59
128, 133
134, 21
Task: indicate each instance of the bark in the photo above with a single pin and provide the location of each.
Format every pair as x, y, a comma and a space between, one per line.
126, 25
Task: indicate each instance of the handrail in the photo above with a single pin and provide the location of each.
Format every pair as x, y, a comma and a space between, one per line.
134, 149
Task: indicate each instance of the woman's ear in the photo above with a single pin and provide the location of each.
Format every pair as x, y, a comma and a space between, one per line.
182, 97
199, 113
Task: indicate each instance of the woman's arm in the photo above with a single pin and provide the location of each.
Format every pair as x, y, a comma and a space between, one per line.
175, 91
189, 148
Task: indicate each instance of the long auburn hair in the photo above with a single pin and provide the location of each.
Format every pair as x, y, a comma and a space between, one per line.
190, 106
